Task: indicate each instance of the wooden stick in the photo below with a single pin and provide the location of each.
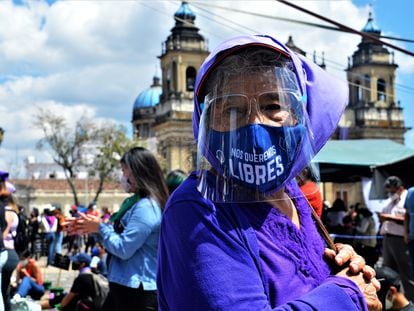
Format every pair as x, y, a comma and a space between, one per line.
321, 228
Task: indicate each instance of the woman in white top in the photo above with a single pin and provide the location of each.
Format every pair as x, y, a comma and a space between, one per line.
49, 226
5, 192
12, 220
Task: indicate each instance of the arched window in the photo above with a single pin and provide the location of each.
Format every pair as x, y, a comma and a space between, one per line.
367, 88
381, 90
358, 91
190, 76
168, 79
174, 76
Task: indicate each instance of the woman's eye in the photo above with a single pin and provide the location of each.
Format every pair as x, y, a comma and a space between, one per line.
269, 97
271, 108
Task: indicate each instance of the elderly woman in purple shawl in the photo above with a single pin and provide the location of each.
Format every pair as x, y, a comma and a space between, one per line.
238, 233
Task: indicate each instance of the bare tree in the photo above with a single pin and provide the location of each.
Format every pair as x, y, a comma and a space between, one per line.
82, 146
66, 143
113, 143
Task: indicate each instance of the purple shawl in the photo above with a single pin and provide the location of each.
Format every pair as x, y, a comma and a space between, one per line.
227, 257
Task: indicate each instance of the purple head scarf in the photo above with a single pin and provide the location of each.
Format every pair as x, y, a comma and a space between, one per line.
326, 96
4, 175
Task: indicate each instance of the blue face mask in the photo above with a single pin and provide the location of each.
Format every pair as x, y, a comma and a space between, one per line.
95, 251
256, 156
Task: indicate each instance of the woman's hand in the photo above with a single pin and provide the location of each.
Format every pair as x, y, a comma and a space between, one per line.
357, 271
88, 223
69, 225
82, 225
368, 287
346, 255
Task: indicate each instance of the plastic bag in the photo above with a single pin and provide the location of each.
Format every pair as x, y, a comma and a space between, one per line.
24, 305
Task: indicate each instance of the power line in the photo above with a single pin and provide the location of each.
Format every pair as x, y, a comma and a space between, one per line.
342, 26
335, 65
224, 20
290, 20
143, 3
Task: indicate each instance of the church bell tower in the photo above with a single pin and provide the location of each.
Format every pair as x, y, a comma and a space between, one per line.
182, 55
373, 110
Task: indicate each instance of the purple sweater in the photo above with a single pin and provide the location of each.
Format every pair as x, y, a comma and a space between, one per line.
244, 257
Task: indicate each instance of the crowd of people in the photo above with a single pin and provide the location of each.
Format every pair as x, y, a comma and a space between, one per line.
41, 235
243, 231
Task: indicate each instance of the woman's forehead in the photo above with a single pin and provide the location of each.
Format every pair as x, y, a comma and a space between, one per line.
249, 82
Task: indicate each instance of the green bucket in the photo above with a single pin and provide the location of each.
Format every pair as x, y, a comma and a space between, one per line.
47, 284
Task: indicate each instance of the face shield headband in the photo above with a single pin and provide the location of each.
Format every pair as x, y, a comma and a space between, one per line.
253, 126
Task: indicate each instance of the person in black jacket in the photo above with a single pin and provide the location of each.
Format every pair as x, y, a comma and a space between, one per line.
88, 291
33, 231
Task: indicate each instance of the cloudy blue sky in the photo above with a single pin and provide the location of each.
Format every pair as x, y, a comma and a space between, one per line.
94, 57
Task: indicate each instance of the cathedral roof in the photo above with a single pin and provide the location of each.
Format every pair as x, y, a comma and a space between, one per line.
184, 12
184, 35
371, 26
149, 97
291, 45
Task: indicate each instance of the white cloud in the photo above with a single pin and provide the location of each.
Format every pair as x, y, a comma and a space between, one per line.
405, 63
336, 46
98, 55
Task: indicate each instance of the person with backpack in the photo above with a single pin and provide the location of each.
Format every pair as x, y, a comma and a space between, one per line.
88, 291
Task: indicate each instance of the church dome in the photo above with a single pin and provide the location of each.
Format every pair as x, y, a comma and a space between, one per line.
371, 26
149, 97
184, 12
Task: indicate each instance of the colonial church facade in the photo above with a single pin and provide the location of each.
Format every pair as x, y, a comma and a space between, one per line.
163, 120
164, 123
373, 110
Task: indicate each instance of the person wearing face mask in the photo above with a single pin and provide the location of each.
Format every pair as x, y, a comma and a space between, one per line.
409, 226
390, 294
238, 233
29, 277
131, 237
394, 248
99, 256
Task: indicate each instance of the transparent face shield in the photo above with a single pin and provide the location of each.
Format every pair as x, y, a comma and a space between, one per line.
253, 126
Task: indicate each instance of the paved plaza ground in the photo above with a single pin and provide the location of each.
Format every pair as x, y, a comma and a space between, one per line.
58, 277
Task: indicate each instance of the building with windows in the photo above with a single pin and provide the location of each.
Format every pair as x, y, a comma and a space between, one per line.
164, 121
373, 110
